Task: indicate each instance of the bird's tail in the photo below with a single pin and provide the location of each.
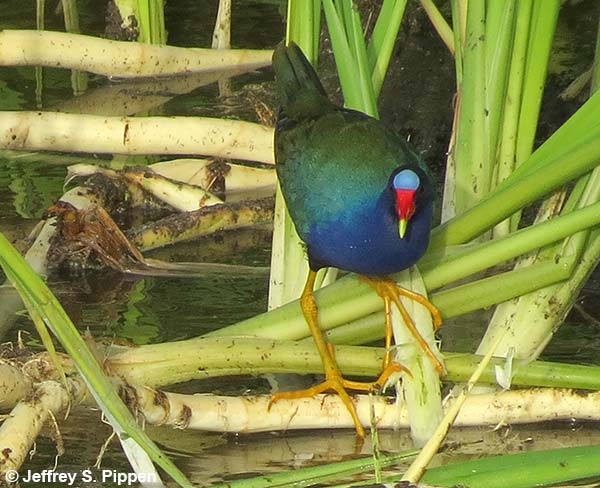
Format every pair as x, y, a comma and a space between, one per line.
301, 91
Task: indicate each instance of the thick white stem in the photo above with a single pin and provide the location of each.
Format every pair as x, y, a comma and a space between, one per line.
136, 135
116, 58
252, 413
22, 426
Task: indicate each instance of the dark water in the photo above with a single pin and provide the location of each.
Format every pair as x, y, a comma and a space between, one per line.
152, 310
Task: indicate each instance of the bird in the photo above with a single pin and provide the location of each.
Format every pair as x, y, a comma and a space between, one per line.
360, 199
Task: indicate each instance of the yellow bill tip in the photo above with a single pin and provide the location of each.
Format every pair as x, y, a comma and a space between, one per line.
402, 226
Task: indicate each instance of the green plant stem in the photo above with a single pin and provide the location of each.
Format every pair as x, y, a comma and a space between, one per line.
566, 138
499, 29
363, 330
544, 18
350, 56
303, 26
151, 21
334, 300
472, 162
158, 365
498, 288
79, 79
40, 17
596, 66
541, 34
364, 70
516, 193
458, 31
512, 100
551, 304
439, 23
462, 299
547, 307
495, 20
521, 470
421, 390
490, 253
317, 474
381, 44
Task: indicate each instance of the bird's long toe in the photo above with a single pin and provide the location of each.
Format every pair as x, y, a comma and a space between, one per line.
333, 382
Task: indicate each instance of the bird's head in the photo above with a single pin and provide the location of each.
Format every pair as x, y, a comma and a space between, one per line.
408, 188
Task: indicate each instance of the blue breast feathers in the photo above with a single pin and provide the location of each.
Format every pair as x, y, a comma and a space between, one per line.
364, 238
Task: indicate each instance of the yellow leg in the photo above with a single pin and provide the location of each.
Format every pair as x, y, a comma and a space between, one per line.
389, 291
333, 376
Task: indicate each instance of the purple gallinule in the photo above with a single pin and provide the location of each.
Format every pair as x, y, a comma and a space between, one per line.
361, 201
